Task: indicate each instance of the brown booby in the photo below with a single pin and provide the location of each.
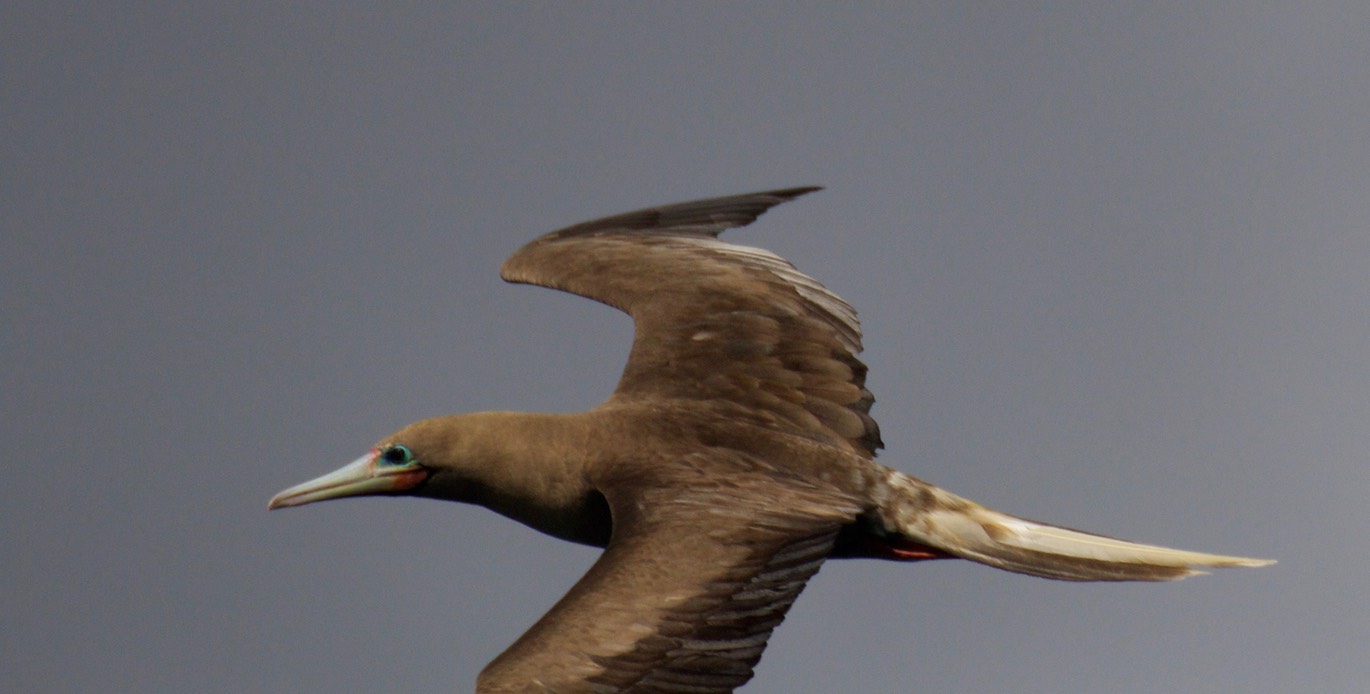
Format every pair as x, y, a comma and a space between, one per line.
735, 455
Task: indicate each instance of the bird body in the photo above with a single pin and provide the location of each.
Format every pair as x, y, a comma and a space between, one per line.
735, 455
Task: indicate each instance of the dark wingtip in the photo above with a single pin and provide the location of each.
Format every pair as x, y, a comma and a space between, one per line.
791, 193
707, 216
777, 197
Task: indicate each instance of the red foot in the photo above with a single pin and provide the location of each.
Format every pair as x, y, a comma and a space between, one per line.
912, 554
899, 549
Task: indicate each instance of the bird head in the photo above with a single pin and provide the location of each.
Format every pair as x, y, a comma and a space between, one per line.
452, 457
390, 469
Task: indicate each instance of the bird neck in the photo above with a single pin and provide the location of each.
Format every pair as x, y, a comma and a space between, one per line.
532, 467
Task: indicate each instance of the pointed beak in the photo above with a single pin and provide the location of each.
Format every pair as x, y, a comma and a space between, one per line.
361, 477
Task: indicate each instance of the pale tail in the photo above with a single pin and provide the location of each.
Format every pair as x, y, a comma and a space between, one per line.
963, 528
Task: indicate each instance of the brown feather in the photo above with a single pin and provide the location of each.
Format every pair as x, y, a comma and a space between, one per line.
715, 320
693, 615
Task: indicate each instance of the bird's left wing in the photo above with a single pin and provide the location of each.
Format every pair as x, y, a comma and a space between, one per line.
700, 569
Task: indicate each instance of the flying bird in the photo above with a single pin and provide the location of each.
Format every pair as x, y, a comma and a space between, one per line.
735, 456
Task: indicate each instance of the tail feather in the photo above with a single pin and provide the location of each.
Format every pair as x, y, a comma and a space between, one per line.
966, 529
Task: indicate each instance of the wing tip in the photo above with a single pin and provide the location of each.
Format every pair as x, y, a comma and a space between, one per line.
790, 193
703, 217
712, 216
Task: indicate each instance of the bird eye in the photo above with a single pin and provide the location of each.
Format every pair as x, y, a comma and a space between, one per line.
397, 455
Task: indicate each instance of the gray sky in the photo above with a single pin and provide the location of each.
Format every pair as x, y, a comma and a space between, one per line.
1111, 263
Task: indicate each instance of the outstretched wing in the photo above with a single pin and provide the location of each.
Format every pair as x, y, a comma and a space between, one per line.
693, 581
715, 320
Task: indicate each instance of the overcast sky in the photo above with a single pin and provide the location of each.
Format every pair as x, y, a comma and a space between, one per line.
1111, 261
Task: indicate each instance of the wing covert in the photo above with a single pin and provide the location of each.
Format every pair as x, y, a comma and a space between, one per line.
715, 320
693, 581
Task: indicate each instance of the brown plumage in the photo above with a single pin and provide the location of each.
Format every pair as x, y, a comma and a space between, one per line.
734, 457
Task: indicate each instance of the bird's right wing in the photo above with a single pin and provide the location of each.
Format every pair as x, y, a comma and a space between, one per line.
700, 569
716, 321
